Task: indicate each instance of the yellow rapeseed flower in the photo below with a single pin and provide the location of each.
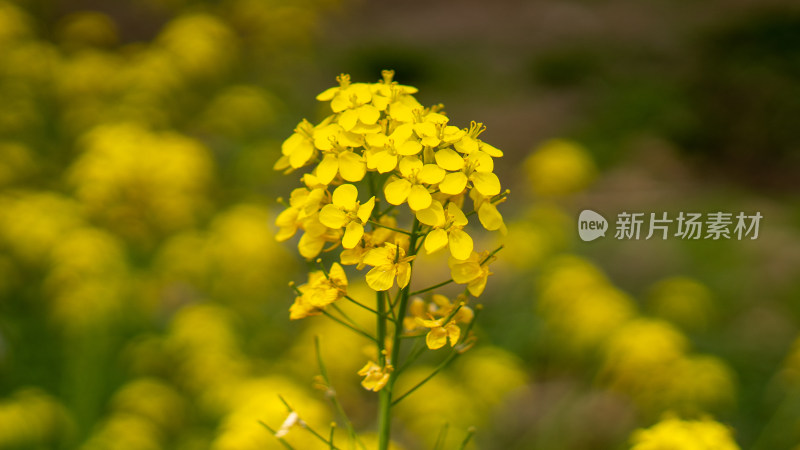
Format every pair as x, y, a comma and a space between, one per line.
321, 290
375, 376
447, 229
410, 185
471, 272
346, 211
388, 262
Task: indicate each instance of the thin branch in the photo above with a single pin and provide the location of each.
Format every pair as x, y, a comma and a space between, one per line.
280, 439
342, 322
398, 230
467, 438
332, 395
435, 286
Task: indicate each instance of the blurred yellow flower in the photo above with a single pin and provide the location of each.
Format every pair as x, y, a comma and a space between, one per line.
375, 376
683, 301
142, 183
559, 167
672, 433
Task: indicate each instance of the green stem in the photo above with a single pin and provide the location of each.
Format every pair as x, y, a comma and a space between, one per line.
384, 396
385, 399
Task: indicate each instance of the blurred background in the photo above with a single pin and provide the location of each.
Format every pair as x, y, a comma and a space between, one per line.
144, 300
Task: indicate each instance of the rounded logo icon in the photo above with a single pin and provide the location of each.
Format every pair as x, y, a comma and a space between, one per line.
591, 225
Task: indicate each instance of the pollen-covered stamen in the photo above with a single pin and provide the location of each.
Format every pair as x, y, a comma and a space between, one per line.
344, 80
475, 129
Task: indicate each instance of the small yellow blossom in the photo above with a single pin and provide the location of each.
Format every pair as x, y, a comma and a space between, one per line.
411, 186
440, 332
448, 229
320, 291
388, 262
375, 376
347, 212
346, 95
471, 272
298, 150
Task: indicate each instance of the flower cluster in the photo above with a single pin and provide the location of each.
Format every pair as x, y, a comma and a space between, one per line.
384, 181
380, 139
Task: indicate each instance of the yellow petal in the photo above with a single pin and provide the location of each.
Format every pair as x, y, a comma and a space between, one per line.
435, 240
381, 278
410, 165
352, 167
436, 338
466, 145
332, 217
379, 256
430, 141
327, 169
401, 133
486, 183
477, 285
490, 150
453, 183
348, 119
350, 138
376, 139
481, 162
345, 197
418, 198
385, 161
301, 153
352, 235
489, 216
324, 134
401, 112
327, 94
460, 244
310, 246
433, 215
425, 129
397, 191
453, 333
380, 102
448, 159
368, 114
403, 274
455, 214
365, 210
464, 271
337, 274
340, 102
431, 174
408, 148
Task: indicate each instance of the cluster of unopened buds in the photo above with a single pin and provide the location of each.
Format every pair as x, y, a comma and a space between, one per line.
385, 179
